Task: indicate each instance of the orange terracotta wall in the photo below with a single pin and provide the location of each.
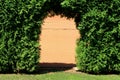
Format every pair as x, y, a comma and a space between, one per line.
58, 40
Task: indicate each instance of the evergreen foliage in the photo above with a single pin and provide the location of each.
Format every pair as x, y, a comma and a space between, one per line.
98, 49
20, 22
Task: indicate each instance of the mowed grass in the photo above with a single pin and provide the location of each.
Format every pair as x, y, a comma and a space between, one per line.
58, 76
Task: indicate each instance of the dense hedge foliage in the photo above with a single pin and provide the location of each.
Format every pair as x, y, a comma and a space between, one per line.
20, 22
98, 49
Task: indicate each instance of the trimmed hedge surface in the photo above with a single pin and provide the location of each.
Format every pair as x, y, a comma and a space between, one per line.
20, 22
98, 49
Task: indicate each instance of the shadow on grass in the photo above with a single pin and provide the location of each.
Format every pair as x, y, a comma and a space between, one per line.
44, 68
53, 67
58, 67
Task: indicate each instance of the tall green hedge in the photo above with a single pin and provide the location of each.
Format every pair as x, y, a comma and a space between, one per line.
98, 49
20, 22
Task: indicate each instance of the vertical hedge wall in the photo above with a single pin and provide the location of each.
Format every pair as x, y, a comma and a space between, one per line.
98, 49
20, 22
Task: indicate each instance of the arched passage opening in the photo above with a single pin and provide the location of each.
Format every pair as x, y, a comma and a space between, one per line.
19, 33
58, 42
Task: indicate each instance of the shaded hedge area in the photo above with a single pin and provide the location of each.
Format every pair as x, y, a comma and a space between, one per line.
98, 49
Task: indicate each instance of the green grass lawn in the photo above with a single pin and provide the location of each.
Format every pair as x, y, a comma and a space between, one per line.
58, 76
